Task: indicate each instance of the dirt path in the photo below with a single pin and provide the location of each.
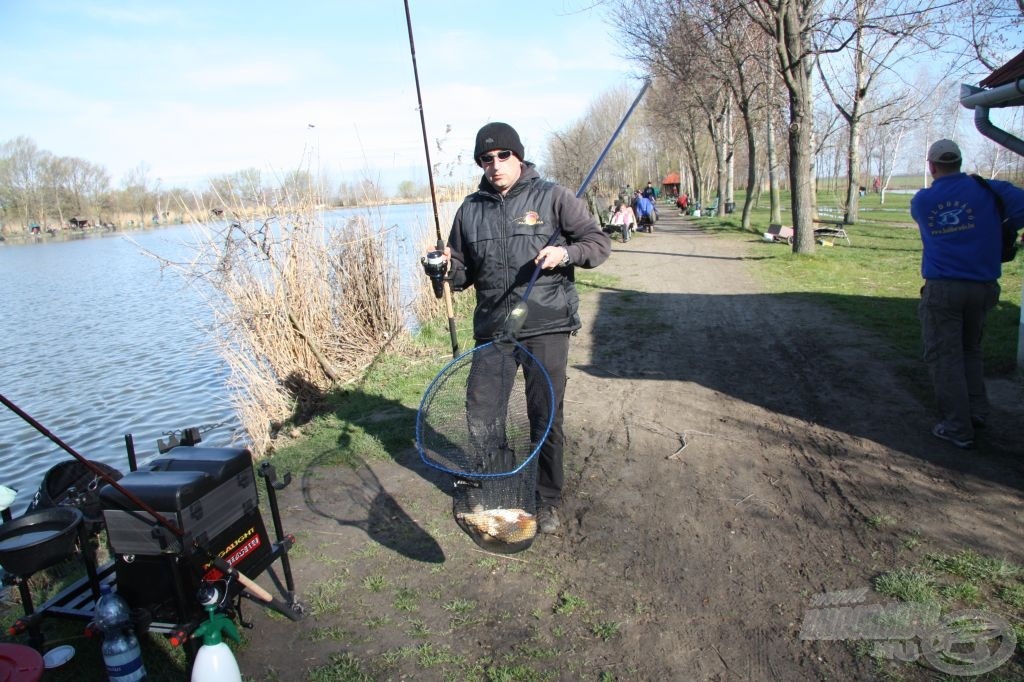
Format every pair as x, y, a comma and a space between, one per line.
674, 563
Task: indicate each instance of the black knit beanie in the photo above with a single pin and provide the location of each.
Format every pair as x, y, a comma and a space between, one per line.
497, 136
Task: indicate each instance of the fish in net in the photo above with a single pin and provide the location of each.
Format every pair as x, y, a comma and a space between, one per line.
476, 424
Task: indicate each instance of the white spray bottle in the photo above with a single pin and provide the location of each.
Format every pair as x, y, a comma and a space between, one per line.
215, 662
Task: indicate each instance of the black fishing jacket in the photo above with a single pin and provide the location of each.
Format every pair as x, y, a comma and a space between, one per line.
494, 240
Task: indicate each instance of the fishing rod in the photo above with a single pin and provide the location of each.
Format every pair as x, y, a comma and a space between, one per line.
611, 140
517, 317
157, 516
445, 288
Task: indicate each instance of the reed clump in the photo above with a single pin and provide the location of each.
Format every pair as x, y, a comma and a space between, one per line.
300, 306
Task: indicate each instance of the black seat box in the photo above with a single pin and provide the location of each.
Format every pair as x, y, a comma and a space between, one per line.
203, 491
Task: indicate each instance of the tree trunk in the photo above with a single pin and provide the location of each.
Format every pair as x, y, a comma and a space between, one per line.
728, 198
797, 62
852, 173
773, 172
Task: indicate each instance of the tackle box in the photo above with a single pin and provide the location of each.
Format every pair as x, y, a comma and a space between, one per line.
203, 491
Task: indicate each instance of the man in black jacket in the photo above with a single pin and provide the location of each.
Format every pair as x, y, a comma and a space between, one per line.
513, 223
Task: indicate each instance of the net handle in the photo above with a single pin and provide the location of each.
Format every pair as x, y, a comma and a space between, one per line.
590, 176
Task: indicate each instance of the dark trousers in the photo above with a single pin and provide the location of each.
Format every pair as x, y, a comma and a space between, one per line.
952, 314
487, 401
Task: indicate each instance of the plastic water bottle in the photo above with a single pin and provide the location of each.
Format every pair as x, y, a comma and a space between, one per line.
111, 610
122, 656
121, 651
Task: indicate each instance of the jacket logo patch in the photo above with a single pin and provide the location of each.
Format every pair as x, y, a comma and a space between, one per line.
529, 218
950, 216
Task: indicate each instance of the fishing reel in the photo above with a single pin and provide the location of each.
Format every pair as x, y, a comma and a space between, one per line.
436, 268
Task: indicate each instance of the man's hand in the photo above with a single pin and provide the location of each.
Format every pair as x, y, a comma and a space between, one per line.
551, 257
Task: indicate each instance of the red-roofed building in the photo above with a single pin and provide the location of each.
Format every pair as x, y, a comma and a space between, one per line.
670, 185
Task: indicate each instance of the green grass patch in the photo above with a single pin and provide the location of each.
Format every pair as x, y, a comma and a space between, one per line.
341, 668
965, 592
1012, 595
406, 599
459, 605
955, 582
332, 633
973, 566
431, 655
375, 583
605, 630
594, 279
568, 604
912, 541
907, 584
324, 597
882, 521
517, 673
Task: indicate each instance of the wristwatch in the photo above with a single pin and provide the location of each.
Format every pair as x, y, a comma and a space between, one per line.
566, 260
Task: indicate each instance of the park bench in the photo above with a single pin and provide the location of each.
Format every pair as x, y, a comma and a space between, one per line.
779, 233
833, 224
711, 209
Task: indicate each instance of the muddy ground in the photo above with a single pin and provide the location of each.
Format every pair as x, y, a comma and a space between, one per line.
729, 455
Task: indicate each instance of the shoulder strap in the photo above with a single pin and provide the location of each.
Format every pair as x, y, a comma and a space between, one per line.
1000, 208
1007, 231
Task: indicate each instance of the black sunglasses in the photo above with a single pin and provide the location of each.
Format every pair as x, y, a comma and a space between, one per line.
502, 155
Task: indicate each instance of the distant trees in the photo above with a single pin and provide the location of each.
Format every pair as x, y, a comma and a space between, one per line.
409, 190
571, 153
38, 188
829, 87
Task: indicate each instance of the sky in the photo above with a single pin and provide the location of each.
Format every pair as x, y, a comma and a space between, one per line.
199, 88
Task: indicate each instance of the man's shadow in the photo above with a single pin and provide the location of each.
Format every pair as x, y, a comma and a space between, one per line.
351, 493
354, 496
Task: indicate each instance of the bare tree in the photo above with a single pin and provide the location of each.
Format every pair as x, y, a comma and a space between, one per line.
676, 109
20, 178
788, 24
570, 153
744, 51
862, 44
670, 41
87, 183
980, 33
135, 192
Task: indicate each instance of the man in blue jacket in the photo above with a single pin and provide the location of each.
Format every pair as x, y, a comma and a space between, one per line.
961, 231
645, 213
514, 222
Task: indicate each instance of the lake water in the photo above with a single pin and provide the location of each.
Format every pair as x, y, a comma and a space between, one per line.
97, 342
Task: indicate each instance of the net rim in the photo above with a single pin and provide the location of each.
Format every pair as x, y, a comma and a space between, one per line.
442, 374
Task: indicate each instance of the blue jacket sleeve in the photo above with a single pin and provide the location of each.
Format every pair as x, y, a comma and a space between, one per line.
1013, 201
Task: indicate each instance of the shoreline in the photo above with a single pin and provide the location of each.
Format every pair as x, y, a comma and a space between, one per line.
25, 236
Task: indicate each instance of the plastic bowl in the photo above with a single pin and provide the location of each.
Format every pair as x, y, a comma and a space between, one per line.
38, 539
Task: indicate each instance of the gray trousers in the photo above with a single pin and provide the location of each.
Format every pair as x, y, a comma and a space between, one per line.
952, 314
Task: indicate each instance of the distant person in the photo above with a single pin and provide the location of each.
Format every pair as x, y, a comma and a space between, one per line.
650, 192
876, 185
682, 203
624, 218
645, 213
962, 236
